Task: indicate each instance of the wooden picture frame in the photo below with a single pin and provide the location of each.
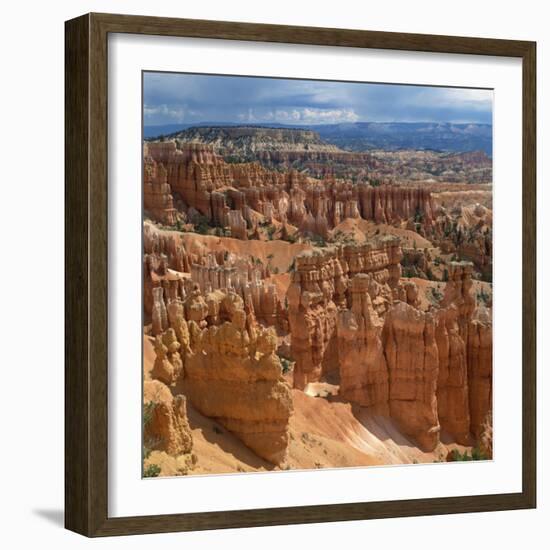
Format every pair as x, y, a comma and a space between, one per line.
86, 316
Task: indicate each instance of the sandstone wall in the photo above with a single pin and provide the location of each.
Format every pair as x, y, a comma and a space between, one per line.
428, 369
215, 352
157, 193
454, 319
413, 366
233, 375
172, 272
319, 288
238, 196
167, 428
362, 364
480, 371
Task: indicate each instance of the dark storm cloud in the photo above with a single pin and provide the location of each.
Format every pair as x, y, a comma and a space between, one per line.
174, 98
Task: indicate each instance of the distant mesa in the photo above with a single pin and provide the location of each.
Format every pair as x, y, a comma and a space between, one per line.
380, 151
364, 136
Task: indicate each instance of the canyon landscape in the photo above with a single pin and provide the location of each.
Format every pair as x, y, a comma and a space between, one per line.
317, 290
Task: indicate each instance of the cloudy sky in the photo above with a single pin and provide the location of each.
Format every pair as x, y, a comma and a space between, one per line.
191, 98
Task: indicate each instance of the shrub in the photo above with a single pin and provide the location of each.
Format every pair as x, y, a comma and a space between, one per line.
148, 409
482, 296
149, 443
202, 226
291, 238
477, 454
153, 470
317, 240
418, 216
286, 365
436, 294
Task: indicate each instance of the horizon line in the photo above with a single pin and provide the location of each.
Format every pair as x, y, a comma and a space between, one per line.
251, 124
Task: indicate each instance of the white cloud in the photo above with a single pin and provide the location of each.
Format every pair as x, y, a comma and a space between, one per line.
172, 114
301, 115
469, 99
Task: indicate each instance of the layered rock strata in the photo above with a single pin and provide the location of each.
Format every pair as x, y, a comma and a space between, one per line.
234, 376
279, 148
428, 369
168, 365
166, 427
319, 288
171, 273
480, 371
454, 319
229, 370
157, 193
240, 196
413, 366
363, 366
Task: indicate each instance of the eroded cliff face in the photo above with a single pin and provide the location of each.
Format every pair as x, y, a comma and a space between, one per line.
172, 272
166, 427
234, 376
311, 296
389, 204
319, 289
279, 148
284, 148
157, 193
363, 366
429, 369
454, 320
480, 374
413, 364
217, 354
242, 196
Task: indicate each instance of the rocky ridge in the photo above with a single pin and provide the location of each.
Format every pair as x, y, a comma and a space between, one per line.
242, 197
321, 153
422, 367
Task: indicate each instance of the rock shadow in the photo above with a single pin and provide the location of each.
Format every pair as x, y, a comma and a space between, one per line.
216, 434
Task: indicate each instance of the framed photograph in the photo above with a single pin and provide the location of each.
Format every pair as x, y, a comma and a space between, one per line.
300, 275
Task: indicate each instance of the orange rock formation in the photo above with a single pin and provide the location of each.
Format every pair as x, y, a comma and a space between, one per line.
219, 308
234, 376
428, 369
227, 368
172, 272
413, 364
157, 194
319, 287
239, 196
363, 366
167, 429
